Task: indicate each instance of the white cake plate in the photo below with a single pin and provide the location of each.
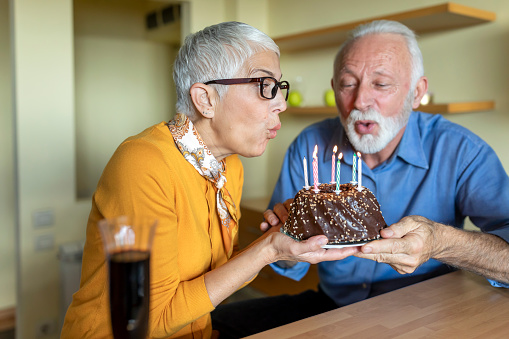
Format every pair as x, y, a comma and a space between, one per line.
345, 245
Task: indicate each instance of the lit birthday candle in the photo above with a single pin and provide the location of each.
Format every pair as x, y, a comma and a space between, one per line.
333, 164
338, 172
354, 170
305, 164
359, 186
315, 169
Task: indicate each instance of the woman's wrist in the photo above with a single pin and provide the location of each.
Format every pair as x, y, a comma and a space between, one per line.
266, 249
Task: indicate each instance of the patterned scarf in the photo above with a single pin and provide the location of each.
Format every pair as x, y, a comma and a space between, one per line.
194, 150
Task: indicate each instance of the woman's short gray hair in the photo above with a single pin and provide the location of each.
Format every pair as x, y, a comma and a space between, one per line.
216, 52
391, 27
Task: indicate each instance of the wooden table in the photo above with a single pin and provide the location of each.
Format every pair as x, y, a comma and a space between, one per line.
455, 305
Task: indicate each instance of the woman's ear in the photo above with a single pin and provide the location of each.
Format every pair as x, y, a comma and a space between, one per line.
203, 97
421, 88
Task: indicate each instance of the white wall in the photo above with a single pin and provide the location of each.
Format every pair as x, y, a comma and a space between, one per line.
7, 201
123, 82
76, 98
45, 151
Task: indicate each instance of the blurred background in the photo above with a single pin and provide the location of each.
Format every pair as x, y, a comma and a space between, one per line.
78, 77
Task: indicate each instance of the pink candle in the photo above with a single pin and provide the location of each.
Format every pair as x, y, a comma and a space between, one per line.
315, 169
332, 180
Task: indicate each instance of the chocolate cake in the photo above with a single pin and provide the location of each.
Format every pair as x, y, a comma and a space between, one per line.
348, 217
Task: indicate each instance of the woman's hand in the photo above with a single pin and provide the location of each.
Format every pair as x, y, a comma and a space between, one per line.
282, 247
289, 251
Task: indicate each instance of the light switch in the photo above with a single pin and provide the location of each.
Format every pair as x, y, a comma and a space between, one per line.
44, 218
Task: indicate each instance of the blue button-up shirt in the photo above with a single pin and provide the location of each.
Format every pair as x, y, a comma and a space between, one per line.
439, 170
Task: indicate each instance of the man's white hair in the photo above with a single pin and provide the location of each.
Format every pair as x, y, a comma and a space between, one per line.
386, 27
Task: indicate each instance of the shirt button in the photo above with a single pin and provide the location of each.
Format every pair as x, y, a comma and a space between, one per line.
364, 285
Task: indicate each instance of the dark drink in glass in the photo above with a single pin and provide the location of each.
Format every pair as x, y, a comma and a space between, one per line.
129, 293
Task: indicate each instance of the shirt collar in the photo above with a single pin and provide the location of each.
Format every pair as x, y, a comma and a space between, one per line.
409, 149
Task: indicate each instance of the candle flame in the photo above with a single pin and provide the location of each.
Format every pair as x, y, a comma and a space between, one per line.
335, 149
315, 152
359, 154
340, 156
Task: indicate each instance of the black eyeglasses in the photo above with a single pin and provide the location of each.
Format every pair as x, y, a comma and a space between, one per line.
268, 85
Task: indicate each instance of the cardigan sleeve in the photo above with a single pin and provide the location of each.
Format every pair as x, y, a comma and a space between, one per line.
138, 180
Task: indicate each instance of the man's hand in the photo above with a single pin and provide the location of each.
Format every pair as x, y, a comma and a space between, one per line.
274, 217
406, 244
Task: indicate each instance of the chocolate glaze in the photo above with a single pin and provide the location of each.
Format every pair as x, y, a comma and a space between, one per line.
348, 217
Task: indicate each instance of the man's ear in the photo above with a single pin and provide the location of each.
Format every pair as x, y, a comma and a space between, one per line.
203, 97
421, 88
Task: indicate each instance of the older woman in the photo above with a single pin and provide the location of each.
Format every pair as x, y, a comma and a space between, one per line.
186, 173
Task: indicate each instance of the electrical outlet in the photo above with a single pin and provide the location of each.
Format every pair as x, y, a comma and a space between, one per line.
45, 242
45, 328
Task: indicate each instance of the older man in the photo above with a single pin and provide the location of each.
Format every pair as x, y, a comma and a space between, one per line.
427, 173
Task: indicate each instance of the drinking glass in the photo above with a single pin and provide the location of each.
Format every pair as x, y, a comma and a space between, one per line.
127, 243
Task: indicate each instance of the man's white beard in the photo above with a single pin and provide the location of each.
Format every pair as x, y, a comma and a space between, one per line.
388, 127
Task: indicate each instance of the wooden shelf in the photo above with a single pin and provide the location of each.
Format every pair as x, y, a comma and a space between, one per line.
423, 20
312, 110
447, 108
458, 107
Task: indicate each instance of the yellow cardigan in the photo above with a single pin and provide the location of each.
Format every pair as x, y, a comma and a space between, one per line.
147, 175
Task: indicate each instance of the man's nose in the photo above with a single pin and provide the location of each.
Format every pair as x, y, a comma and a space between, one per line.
363, 98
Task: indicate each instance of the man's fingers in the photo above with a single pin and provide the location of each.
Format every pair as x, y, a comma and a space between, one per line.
401, 262
270, 217
400, 265
264, 226
397, 230
392, 246
281, 211
401, 228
